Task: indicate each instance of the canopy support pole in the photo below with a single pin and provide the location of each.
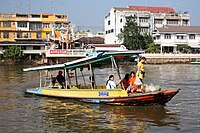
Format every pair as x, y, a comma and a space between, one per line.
112, 65
69, 78
118, 72
40, 79
93, 77
90, 65
65, 70
76, 78
83, 78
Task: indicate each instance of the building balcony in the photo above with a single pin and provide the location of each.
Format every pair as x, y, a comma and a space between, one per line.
143, 24
159, 16
47, 29
21, 19
157, 41
8, 28
35, 19
22, 28
35, 29
185, 16
34, 52
61, 20
173, 17
145, 15
181, 41
29, 51
159, 25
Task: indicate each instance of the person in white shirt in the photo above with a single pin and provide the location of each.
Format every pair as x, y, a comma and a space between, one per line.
110, 84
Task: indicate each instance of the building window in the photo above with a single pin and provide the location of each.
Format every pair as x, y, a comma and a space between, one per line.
0, 34
108, 22
6, 24
106, 32
191, 36
19, 35
158, 21
121, 20
36, 47
39, 35
112, 30
6, 35
172, 22
35, 26
14, 35
30, 35
45, 16
144, 30
35, 16
23, 47
22, 24
185, 22
144, 20
157, 38
180, 37
121, 30
47, 35
167, 36
25, 35
46, 25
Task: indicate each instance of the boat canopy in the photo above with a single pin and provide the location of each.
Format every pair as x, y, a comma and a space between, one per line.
87, 60
50, 67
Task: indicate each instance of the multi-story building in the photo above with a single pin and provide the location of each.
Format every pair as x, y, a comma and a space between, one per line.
170, 37
147, 17
30, 31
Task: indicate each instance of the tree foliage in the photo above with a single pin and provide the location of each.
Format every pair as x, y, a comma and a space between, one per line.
152, 48
147, 40
13, 53
184, 48
131, 36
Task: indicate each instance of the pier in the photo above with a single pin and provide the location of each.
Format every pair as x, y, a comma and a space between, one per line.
171, 58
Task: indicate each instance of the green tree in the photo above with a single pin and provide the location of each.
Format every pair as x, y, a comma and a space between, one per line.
13, 52
152, 48
147, 40
131, 36
184, 48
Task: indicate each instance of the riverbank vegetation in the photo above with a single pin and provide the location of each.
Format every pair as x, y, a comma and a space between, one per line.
14, 55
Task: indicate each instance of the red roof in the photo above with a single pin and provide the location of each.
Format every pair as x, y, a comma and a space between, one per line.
153, 9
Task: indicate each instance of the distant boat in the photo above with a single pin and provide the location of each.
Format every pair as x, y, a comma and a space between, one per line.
197, 63
96, 93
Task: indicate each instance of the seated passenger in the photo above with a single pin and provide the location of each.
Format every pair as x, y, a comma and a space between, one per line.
125, 81
61, 79
132, 87
110, 84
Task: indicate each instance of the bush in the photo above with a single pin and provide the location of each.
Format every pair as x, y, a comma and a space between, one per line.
13, 52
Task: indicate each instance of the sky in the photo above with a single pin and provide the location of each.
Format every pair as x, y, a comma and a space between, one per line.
90, 14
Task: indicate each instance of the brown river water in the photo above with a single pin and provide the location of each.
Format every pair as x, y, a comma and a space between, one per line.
22, 113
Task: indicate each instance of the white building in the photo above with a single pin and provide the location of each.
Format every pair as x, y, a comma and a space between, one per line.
172, 36
148, 18
88, 33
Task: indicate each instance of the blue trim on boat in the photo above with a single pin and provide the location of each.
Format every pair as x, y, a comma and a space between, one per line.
35, 91
198, 63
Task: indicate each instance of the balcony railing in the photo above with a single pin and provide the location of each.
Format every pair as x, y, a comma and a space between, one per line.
181, 41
